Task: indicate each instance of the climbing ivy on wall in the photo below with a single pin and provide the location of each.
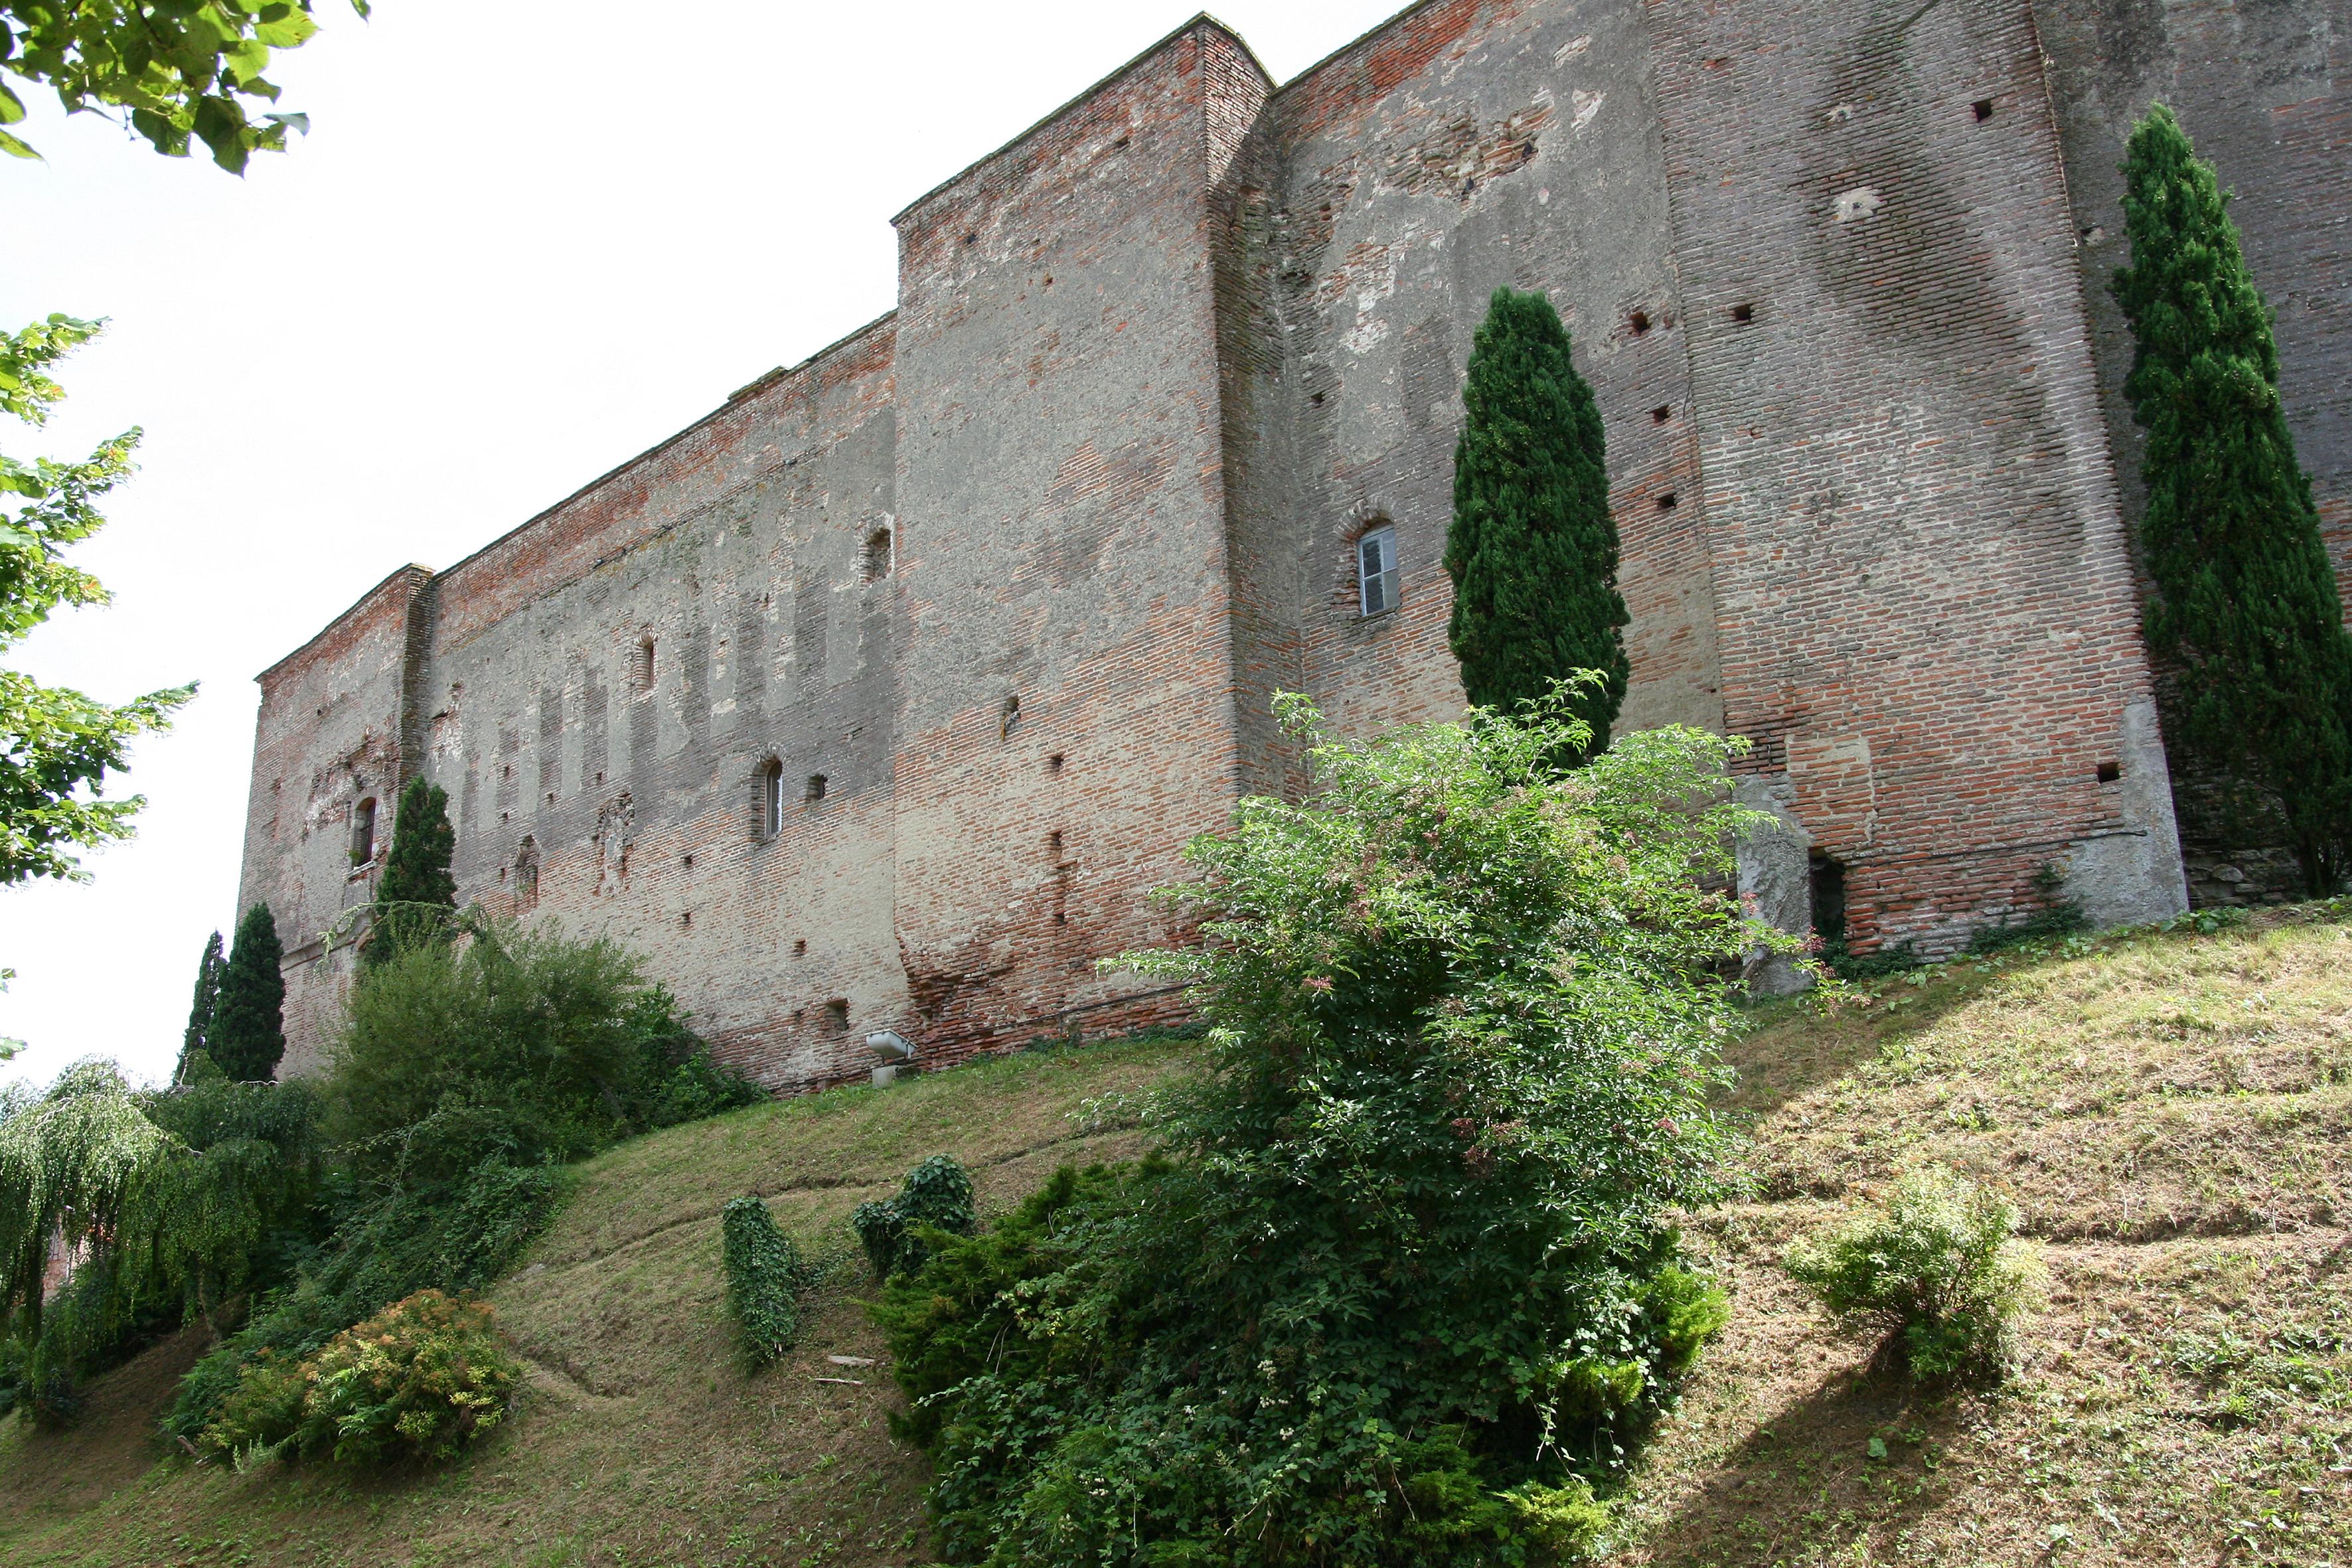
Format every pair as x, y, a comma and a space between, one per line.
2246, 610
1532, 550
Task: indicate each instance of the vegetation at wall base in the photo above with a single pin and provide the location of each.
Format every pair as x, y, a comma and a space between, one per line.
1532, 548
1403, 1288
2246, 613
246, 1038
416, 900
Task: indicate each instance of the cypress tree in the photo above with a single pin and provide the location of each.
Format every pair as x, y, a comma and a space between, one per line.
248, 1037
199, 1012
1533, 550
417, 898
2246, 609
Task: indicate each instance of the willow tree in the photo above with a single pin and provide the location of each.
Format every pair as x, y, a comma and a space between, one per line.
171, 1196
1532, 550
2246, 611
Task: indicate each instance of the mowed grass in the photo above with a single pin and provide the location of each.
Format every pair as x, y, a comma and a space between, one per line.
2168, 1111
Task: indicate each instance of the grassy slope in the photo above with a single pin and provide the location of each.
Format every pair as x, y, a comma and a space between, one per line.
2169, 1111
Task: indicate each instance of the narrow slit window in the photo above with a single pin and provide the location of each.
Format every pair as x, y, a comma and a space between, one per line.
363, 832
771, 797
875, 563
1376, 572
645, 668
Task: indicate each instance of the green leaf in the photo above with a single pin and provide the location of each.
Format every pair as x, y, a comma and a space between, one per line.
12, 108
16, 148
1877, 1447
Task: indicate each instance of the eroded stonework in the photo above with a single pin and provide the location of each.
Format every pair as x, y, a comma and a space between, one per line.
877, 698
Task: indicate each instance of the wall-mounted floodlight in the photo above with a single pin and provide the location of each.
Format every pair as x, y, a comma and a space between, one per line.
894, 1050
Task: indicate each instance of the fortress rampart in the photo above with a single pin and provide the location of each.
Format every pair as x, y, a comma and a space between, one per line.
878, 697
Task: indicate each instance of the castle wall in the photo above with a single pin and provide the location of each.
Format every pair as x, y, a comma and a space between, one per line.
1472, 144
1068, 720
1017, 570
1928, 624
327, 739
2265, 93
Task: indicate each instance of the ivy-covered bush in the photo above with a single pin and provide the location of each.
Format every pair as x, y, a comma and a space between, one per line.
419, 1381
936, 1197
1938, 1273
764, 1279
1398, 1288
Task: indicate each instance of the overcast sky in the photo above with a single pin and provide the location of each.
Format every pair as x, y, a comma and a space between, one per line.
524, 240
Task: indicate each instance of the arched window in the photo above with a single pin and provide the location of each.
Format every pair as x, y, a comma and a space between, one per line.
363, 832
874, 562
771, 798
1376, 570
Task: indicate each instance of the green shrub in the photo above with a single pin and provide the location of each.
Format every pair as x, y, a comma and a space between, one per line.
764, 1279
1939, 1273
421, 1380
937, 1198
1399, 1288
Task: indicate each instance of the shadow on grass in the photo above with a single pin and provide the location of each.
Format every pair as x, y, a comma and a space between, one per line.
1795, 1046
1811, 1483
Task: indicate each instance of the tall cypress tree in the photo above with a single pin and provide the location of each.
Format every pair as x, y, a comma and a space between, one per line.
1533, 550
2246, 608
416, 900
199, 1012
248, 1037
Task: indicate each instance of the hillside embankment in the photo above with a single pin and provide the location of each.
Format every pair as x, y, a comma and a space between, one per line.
2172, 1111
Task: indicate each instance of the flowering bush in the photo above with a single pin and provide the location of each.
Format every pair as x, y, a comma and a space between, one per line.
420, 1380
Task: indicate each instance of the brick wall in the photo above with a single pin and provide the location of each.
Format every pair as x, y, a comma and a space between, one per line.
2265, 93
1017, 569
1927, 621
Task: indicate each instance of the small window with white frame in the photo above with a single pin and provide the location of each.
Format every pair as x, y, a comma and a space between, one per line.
1376, 570
771, 798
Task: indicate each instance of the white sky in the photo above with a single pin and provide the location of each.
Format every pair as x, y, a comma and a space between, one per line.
524, 240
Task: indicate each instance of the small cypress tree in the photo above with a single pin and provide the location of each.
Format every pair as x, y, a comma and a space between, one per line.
199, 1012
2246, 609
416, 901
1533, 550
248, 1037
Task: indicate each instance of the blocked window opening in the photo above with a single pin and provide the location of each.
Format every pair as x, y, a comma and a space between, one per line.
836, 1015
1376, 572
363, 832
1054, 841
1661, 413
1666, 502
644, 674
1743, 312
814, 789
2110, 772
800, 947
1828, 898
1640, 321
771, 797
1053, 763
874, 562
1983, 107
526, 874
